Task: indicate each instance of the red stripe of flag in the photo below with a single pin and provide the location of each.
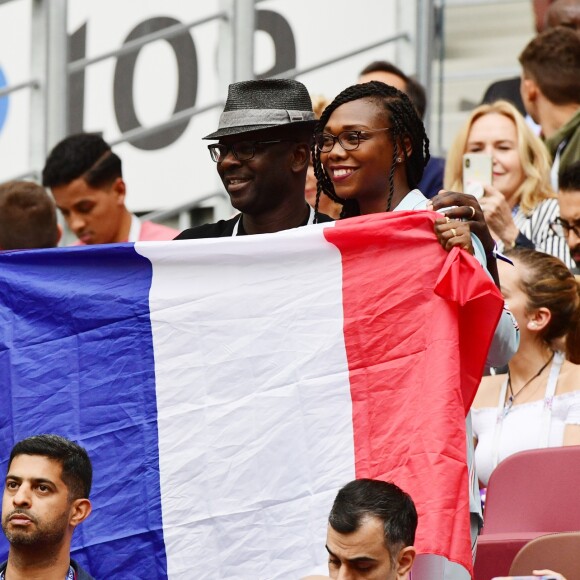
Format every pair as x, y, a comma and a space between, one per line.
418, 322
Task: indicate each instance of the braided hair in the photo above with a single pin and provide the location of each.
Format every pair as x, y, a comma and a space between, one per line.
405, 124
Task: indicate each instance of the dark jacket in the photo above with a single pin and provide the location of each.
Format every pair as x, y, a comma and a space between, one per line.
225, 228
432, 180
508, 89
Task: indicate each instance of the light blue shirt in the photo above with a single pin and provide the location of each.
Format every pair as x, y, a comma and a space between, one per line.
415, 200
503, 346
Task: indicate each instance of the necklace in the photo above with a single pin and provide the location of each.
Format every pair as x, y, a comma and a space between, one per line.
510, 402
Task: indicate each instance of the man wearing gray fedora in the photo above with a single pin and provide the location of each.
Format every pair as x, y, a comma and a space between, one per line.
264, 136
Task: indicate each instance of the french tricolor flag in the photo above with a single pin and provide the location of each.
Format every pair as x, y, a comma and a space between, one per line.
227, 388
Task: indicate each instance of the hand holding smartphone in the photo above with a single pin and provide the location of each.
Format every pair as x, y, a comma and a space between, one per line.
477, 172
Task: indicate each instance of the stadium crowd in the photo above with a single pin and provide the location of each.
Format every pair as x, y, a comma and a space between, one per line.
364, 151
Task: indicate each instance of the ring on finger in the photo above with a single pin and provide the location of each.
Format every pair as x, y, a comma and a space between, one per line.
472, 212
453, 233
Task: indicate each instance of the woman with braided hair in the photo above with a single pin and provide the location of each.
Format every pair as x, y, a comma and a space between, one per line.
369, 152
370, 149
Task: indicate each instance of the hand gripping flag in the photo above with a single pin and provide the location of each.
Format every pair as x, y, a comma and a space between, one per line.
226, 389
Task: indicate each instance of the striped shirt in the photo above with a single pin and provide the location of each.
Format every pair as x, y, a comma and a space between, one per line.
536, 227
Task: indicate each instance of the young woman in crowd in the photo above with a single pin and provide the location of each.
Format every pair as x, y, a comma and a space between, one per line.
520, 204
370, 150
537, 403
369, 154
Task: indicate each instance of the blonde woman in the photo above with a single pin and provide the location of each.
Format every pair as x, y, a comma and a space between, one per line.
520, 204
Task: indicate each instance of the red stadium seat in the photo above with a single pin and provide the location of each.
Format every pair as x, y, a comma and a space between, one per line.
530, 494
559, 552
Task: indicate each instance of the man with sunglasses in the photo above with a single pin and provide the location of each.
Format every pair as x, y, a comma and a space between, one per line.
264, 137
568, 224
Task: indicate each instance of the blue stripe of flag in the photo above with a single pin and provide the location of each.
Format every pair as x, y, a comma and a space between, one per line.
76, 358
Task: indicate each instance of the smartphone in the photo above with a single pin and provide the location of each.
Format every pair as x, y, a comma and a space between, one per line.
476, 173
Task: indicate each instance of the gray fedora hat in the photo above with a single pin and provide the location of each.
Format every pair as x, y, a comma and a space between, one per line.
261, 104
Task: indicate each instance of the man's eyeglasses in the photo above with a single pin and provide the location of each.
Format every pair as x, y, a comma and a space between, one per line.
242, 151
348, 140
563, 228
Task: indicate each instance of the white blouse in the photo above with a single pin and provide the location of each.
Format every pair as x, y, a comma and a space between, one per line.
526, 426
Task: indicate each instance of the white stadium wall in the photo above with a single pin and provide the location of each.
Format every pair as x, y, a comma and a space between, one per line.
145, 87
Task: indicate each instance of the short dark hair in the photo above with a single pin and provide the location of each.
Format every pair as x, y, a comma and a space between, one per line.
85, 155
413, 88
27, 217
384, 66
416, 92
362, 498
77, 471
552, 61
569, 177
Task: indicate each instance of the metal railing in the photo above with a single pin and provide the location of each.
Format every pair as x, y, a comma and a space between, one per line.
183, 211
32, 84
138, 43
50, 83
174, 120
444, 76
298, 72
45, 12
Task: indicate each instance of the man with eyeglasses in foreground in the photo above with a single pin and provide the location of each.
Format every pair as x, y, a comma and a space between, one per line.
264, 136
568, 224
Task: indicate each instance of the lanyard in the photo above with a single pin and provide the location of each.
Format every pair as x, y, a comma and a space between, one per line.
546, 419
71, 575
237, 225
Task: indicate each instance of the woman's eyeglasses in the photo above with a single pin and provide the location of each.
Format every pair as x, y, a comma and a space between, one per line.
348, 140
